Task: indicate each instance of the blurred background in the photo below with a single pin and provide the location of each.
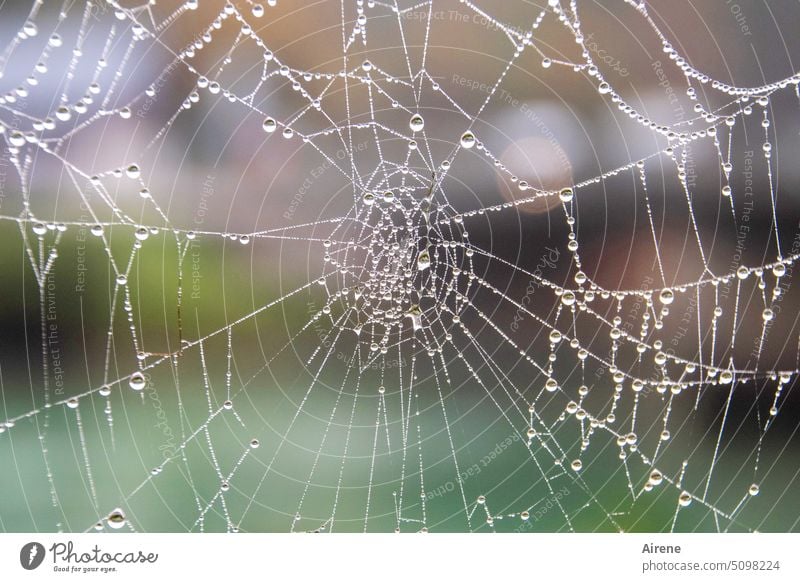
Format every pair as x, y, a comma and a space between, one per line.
161, 140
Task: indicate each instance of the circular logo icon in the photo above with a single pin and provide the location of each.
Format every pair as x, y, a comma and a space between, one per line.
31, 555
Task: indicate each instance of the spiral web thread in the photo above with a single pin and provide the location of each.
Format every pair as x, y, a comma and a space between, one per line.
400, 279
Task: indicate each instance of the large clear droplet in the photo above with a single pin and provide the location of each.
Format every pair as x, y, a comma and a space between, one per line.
415, 313
116, 519
416, 123
137, 381
423, 260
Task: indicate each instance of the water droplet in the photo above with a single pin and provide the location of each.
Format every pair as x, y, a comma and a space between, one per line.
767, 314
467, 140
416, 123
551, 385
685, 499
137, 381
116, 519
666, 296
656, 477
726, 377
30, 28
63, 113
270, 125
415, 313
753, 491
423, 260
568, 298
73, 403
39, 228
288, 132
133, 171
142, 233
369, 198
577, 465
254, 444
17, 139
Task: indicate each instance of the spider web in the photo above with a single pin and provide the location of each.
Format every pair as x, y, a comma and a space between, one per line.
279, 268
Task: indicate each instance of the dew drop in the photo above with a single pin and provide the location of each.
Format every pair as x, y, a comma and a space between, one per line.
467, 140
416, 123
423, 260
656, 477
685, 499
116, 519
17, 139
269, 125
133, 171
137, 381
